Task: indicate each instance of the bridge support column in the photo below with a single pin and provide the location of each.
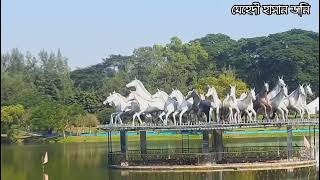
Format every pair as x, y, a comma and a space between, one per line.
205, 141
217, 144
124, 145
289, 141
143, 142
109, 143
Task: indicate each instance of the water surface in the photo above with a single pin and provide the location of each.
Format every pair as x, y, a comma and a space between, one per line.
87, 161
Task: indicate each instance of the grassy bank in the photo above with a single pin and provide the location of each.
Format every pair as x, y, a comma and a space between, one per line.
72, 139
77, 139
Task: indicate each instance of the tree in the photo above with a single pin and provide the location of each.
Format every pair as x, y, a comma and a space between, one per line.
90, 120
222, 84
10, 119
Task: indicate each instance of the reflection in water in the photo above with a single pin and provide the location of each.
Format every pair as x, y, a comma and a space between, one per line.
45, 176
301, 173
88, 161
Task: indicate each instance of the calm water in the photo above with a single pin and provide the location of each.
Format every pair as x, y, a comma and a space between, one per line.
87, 161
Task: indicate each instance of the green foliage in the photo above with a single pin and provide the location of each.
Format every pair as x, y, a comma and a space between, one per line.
104, 115
11, 114
293, 54
49, 116
11, 118
90, 101
90, 120
222, 84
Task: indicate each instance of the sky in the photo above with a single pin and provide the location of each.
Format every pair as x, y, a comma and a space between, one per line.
87, 31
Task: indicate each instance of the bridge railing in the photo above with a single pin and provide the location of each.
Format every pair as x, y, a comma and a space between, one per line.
213, 125
196, 157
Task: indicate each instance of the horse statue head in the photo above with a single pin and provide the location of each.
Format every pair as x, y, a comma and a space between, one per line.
192, 93
285, 90
160, 94
308, 90
202, 96
233, 90
302, 90
211, 91
252, 93
133, 83
281, 81
110, 99
266, 86
132, 95
175, 93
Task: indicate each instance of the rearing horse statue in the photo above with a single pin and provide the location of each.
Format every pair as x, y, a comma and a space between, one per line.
262, 101
140, 89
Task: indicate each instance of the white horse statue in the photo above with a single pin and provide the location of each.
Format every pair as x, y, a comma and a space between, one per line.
277, 103
245, 104
140, 89
183, 105
169, 107
294, 101
146, 105
215, 103
277, 88
121, 104
230, 103
305, 108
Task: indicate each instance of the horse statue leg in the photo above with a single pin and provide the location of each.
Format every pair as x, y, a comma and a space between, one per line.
174, 117
230, 115
218, 114
170, 110
133, 118
265, 110
282, 113
248, 114
181, 114
210, 114
161, 115
118, 117
308, 113
238, 115
254, 114
111, 117
139, 118
286, 113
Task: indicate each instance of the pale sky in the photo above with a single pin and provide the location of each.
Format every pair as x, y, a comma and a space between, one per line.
87, 31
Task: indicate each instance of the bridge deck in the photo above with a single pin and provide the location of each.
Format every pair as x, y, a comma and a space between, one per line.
212, 125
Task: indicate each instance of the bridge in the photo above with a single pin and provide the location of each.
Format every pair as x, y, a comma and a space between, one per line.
216, 152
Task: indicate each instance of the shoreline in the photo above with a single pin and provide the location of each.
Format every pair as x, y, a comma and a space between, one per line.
96, 139
234, 134
281, 164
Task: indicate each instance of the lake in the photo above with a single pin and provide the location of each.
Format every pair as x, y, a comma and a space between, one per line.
88, 161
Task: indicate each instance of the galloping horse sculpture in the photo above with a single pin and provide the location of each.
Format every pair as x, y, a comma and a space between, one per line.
262, 101
141, 102
278, 101
199, 106
215, 103
245, 104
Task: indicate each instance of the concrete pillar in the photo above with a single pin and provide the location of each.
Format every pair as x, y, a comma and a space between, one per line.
205, 141
123, 145
289, 141
217, 144
123, 141
143, 142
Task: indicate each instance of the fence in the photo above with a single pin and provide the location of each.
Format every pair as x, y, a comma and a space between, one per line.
195, 157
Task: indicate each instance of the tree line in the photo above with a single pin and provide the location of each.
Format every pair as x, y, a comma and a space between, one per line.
40, 93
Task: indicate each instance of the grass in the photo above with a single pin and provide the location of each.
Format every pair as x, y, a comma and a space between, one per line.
77, 139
